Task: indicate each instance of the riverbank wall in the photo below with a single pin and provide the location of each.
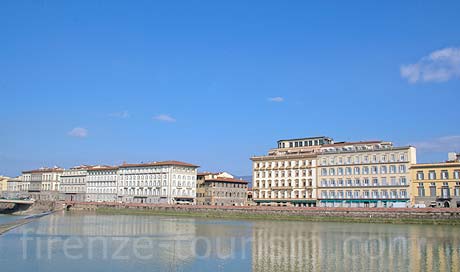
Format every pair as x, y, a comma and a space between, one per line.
38, 207
369, 215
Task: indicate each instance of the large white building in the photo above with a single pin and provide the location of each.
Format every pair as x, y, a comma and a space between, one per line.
73, 183
364, 174
157, 182
101, 183
287, 175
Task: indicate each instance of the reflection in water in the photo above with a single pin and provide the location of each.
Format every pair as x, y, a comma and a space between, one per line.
80, 242
302, 246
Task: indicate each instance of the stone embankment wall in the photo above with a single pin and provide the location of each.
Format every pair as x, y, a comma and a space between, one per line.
363, 213
40, 206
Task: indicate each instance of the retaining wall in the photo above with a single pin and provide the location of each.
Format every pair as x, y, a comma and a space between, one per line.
383, 213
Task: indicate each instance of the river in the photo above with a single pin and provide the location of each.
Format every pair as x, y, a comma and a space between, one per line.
90, 242
8, 218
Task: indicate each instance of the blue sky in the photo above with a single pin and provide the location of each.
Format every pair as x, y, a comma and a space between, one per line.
213, 82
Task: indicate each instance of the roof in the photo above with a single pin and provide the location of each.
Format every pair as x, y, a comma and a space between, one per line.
305, 138
352, 143
161, 163
101, 167
230, 180
436, 164
44, 170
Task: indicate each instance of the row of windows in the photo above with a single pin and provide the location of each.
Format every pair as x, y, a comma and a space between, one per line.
80, 189
383, 181
356, 159
293, 163
228, 185
157, 192
302, 143
226, 194
101, 173
364, 170
147, 170
292, 173
102, 190
283, 194
283, 183
445, 191
72, 180
432, 174
103, 184
363, 194
102, 178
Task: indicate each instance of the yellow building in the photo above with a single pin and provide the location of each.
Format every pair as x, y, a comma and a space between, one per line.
3, 184
436, 184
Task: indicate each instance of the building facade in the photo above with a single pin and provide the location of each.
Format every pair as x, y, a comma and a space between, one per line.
73, 184
3, 185
287, 175
43, 182
101, 183
170, 182
436, 184
221, 189
364, 174
16, 189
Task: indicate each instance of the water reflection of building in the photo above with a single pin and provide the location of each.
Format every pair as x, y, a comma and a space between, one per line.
303, 246
170, 240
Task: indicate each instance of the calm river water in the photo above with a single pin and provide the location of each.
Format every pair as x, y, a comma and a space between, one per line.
89, 242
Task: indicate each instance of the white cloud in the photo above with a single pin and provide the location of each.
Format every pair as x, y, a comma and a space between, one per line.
164, 118
277, 99
439, 66
441, 144
78, 132
122, 114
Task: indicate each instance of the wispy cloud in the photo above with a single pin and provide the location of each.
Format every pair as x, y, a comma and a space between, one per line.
164, 118
441, 144
78, 132
121, 114
277, 99
439, 66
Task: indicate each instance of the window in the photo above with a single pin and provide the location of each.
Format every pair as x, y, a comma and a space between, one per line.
444, 174
340, 171
375, 181
375, 170
392, 169
357, 170
402, 169
421, 189
432, 175
403, 193
383, 169
402, 181
349, 183
348, 170
420, 175
432, 189
365, 170
457, 174
366, 182
384, 181
324, 172
445, 191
